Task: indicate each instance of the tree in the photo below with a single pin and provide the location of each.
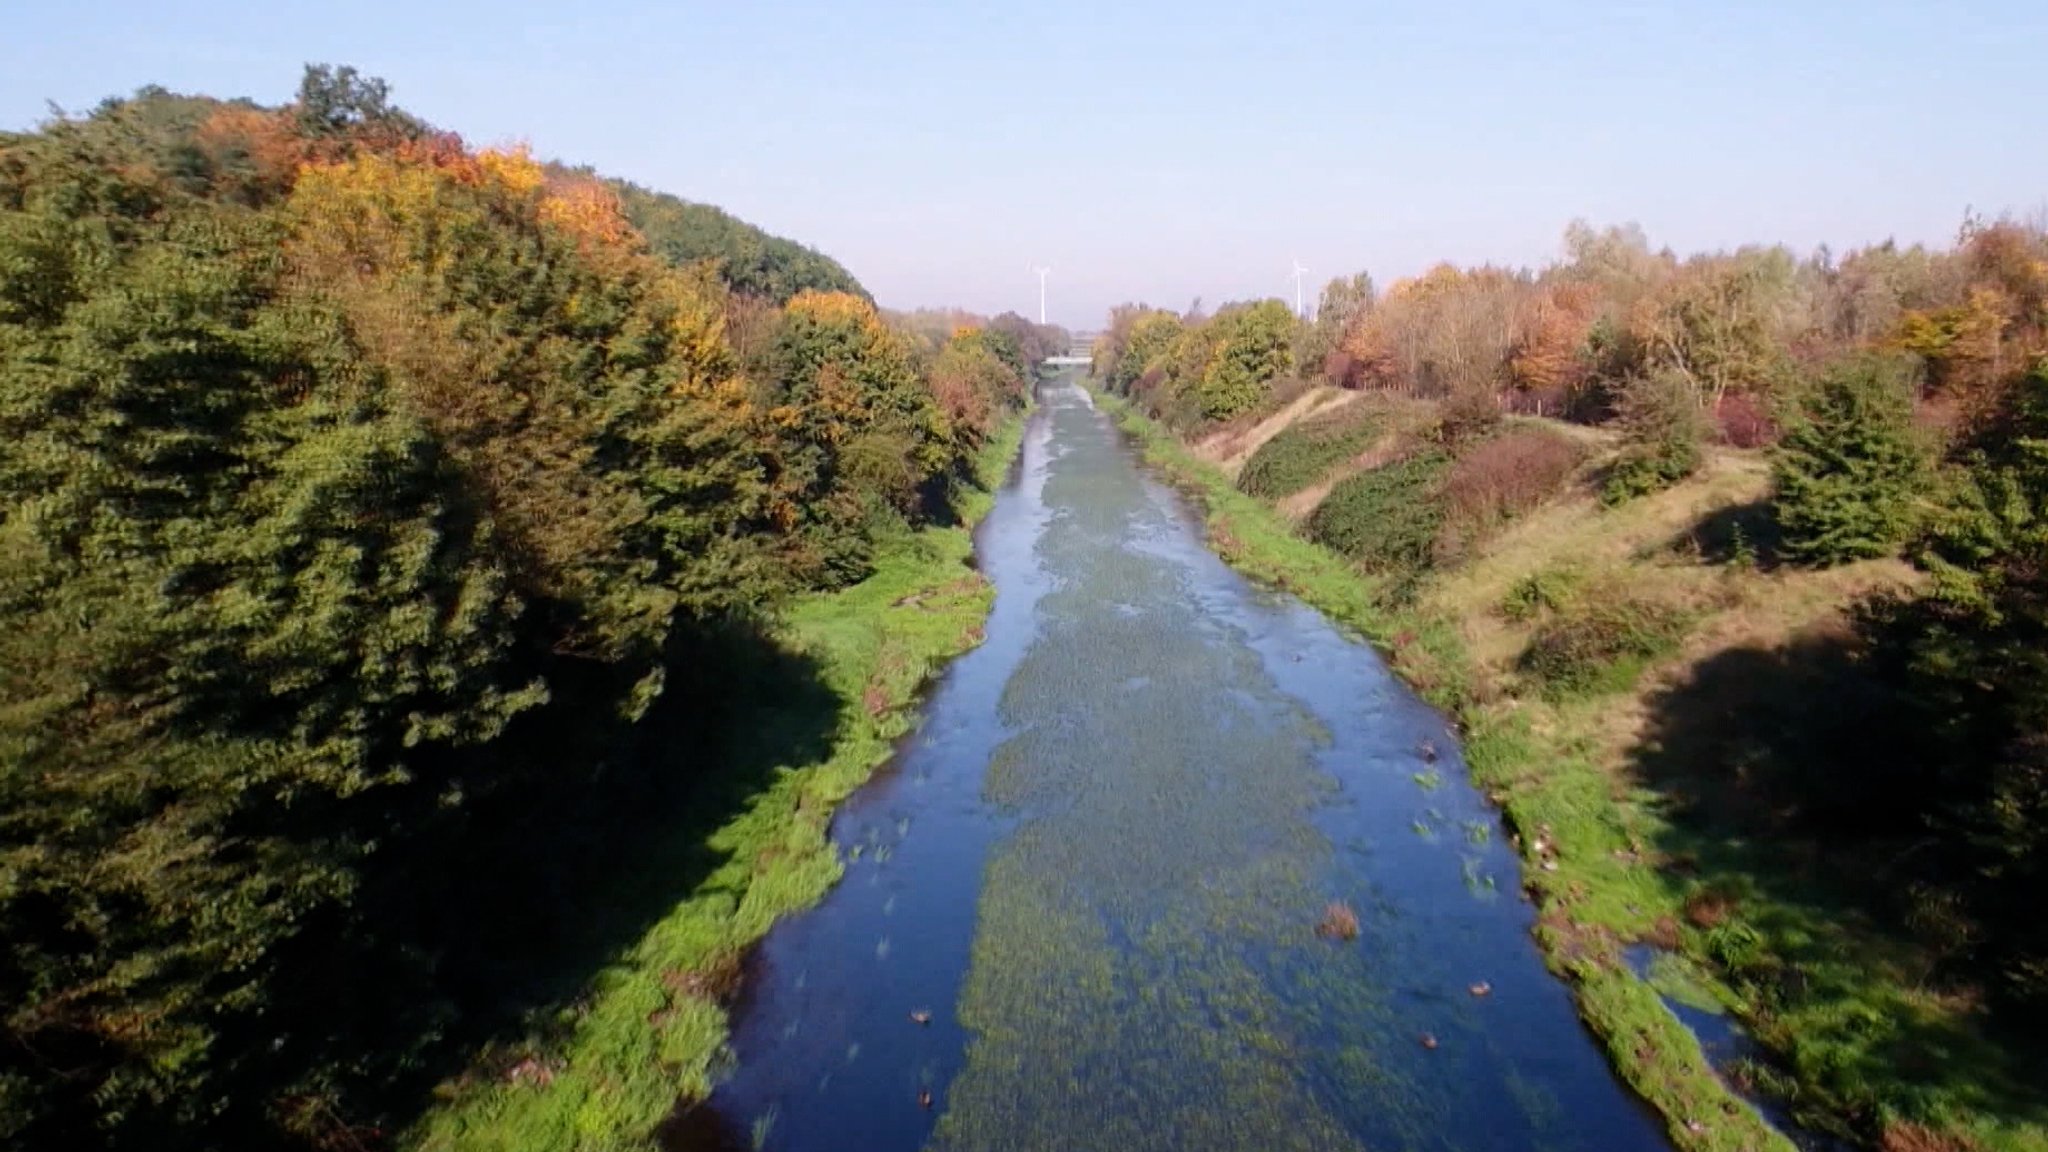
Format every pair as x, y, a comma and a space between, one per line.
748, 260
975, 378
1344, 302
1446, 332
1724, 323
1971, 662
1250, 345
1550, 357
1147, 339
1849, 470
1664, 426
331, 455
337, 108
863, 442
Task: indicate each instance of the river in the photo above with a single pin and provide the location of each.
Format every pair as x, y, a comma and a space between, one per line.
1101, 864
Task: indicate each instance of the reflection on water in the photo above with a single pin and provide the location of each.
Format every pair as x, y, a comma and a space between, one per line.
1083, 912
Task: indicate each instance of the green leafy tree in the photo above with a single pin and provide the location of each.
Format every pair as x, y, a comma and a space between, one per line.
1849, 469
748, 260
865, 444
307, 499
1249, 345
1152, 335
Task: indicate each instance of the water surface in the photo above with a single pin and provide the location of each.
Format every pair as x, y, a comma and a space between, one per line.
1101, 864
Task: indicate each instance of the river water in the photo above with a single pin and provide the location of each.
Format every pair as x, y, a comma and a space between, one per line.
1101, 863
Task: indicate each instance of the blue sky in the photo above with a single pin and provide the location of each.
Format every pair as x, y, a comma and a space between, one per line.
1168, 151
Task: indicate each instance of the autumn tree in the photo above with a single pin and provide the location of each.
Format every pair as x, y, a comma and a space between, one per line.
863, 440
976, 379
1549, 359
1725, 322
1345, 301
363, 500
1447, 332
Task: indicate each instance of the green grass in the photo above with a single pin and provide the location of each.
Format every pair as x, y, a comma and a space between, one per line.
647, 1032
1598, 644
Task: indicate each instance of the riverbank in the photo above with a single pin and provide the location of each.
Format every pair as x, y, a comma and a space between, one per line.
1091, 904
604, 1071
1649, 785
1577, 843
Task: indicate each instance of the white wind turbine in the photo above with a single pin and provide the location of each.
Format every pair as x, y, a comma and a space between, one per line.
1042, 274
1299, 272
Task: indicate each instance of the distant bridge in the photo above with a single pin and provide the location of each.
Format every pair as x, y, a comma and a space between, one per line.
1080, 352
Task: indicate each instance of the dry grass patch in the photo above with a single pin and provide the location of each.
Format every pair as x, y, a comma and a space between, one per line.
1231, 445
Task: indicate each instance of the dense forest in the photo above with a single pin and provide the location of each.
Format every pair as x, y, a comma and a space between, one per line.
1885, 775
370, 505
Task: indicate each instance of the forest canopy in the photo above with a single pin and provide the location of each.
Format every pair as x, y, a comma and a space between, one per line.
364, 498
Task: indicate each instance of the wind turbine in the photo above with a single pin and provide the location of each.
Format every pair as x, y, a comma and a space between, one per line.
1042, 274
1299, 272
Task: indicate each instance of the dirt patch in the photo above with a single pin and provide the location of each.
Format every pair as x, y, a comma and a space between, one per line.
1231, 447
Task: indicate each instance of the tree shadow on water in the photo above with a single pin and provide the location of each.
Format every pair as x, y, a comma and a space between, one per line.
492, 906
1793, 788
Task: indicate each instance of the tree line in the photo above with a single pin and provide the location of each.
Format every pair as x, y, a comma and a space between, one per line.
366, 499
1900, 396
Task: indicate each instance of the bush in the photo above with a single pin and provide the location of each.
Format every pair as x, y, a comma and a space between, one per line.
1386, 518
1743, 422
1847, 472
1469, 415
1601, 642
1664, 423
1299, 456
1543, 591
1500, 479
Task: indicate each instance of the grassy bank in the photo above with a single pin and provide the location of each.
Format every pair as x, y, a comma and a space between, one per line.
1622, 794
605, 1068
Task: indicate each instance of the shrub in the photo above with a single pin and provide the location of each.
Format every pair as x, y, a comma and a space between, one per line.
1743, 422
1847, 472
1386, 518
1543, 591
1300, 455
1600, 643
1468, 415
1664, 423
1500, 479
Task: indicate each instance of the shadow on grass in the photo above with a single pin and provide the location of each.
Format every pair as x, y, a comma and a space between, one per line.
1796, 801
480, 921
1733, 533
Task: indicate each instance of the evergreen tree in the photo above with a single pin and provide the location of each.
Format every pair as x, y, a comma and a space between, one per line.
1849, 468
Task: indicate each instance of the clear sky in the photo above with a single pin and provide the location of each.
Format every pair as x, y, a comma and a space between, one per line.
1166, 151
